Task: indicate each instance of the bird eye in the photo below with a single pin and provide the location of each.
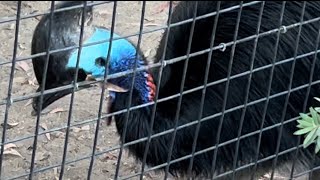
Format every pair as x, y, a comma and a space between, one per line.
100, 61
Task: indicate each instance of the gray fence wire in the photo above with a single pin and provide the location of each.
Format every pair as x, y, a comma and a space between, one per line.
10, 99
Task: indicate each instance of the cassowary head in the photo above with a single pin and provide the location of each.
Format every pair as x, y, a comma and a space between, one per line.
65, 33
123, 57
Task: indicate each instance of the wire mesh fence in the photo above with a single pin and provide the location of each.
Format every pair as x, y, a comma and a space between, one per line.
204, 89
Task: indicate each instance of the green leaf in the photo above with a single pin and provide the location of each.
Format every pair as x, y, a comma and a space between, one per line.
300, 126
314, 116
318, 99
306, 117
304, 131
317, 109
317, 148
318, 133
318, 142
310, 138
306, 144
305, 123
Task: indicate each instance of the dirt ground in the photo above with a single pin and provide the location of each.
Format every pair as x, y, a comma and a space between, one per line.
85, 107
86, 102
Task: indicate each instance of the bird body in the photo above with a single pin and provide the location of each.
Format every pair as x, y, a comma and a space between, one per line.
221, 124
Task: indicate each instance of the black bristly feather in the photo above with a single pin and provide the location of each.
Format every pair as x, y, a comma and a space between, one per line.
65, 32
139, 119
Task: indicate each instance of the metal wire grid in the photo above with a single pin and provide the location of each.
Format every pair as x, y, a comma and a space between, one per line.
282, 29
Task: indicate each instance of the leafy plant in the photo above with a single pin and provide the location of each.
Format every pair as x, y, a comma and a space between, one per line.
310, 126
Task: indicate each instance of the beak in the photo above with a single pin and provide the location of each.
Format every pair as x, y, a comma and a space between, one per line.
109, 86
90, 78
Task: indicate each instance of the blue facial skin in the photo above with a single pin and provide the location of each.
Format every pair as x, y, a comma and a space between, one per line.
122, 58
121, 49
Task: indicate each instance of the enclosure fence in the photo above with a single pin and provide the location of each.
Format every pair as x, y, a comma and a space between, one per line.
10, 99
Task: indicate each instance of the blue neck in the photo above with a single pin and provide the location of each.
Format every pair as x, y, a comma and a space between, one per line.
140, 81
122, 58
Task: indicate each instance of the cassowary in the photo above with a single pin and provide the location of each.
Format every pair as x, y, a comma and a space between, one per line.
268, 104
65, 33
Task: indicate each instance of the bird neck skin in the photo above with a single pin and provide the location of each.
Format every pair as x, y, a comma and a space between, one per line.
143, 82
122, 58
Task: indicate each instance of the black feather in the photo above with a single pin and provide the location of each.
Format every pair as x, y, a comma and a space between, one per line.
140, 119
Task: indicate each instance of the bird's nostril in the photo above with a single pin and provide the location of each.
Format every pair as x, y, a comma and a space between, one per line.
100, 61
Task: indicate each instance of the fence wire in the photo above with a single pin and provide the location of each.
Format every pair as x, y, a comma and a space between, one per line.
11, 99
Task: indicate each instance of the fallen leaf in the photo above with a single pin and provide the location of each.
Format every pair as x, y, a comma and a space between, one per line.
42, 137
80, 138
19, 80
152, 24
148, 175
34, 11
23, 65
148, 52
11, 27
55, 171
75, 129
38, 18
109, 156
9, 146
161, 8
106, 12
12, 152
148, 20
28, 103
45, 127
22, 47
56, 110
10, 125
13, 124
165, 6
85, 128
26, 4
42, 156
57, 134
105, 171
268, 176
26, 82
32, 82
48, 136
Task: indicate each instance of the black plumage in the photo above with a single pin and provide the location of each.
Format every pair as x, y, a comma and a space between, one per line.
65, 32
140, 119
